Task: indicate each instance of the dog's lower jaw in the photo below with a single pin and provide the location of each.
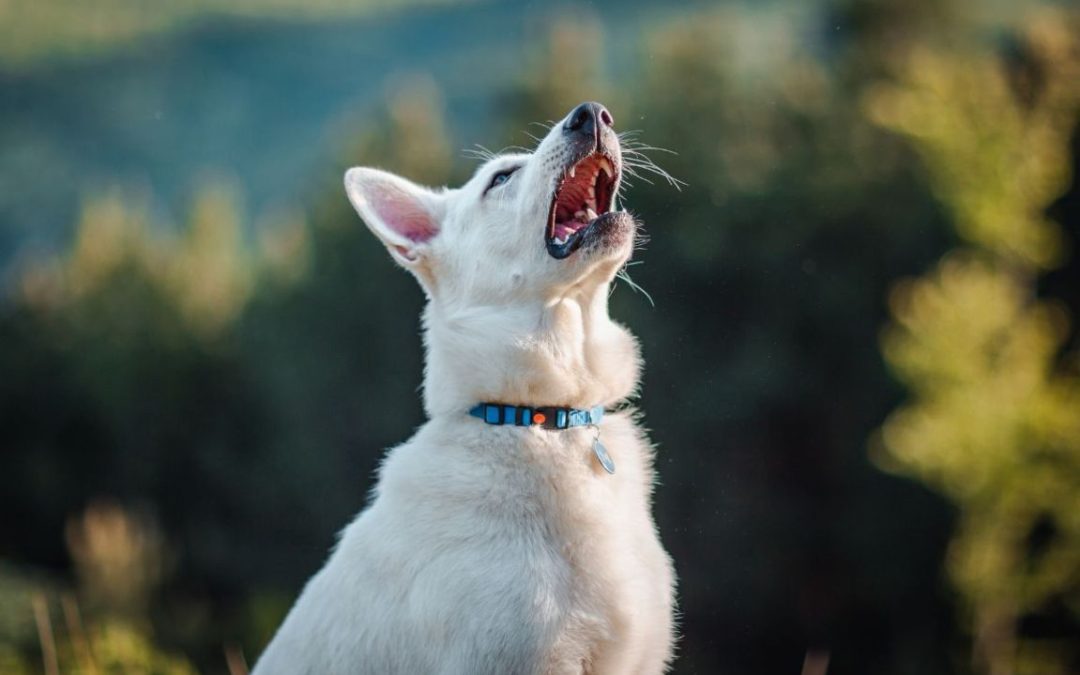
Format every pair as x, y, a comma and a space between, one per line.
565, 351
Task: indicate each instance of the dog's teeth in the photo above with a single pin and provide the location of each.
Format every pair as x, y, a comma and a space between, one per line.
591, 214
573, 170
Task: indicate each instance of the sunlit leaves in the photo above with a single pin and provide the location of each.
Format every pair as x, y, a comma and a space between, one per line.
994, 159
994, 418
202, 276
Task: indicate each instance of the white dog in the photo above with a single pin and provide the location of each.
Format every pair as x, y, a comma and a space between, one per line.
512, 534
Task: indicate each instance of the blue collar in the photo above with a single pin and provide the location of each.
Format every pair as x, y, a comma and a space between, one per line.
548, 417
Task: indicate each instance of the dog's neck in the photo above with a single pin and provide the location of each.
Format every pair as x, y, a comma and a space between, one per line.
559, 351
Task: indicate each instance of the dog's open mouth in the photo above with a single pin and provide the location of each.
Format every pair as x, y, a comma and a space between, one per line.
585, 194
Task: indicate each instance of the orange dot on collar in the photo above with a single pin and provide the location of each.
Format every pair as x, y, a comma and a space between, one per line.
539, 418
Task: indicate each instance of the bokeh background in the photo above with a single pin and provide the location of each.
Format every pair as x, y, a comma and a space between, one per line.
859, 312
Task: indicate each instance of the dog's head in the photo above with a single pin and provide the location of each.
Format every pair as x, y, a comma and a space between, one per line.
517, 263
523, 225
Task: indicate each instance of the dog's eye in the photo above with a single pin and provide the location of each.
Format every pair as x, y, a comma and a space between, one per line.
500, 178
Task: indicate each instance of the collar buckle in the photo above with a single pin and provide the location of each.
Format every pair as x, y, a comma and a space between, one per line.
554, 418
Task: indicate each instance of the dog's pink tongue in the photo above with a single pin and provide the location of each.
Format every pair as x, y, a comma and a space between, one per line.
562, 230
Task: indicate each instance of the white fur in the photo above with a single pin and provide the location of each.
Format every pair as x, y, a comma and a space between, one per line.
497, 549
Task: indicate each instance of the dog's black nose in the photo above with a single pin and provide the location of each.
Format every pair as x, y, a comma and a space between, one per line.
585, 119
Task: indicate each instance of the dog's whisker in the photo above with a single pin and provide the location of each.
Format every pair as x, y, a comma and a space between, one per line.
629, 170
624, 275
478, 152
635, 164
634, 156
652, 167
637, 146
638, 156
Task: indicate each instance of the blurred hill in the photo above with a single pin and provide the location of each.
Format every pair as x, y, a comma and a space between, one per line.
30, 30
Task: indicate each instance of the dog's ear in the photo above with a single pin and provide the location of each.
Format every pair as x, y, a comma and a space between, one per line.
404, 215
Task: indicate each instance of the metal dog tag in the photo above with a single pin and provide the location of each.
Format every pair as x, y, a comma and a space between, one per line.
602, 455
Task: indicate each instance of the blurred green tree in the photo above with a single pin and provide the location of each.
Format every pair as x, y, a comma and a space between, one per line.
122, 380
993, 417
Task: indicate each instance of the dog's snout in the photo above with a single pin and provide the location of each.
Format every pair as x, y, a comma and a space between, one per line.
588, 119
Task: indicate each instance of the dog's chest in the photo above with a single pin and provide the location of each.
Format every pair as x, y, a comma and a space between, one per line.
532, 522
593, 525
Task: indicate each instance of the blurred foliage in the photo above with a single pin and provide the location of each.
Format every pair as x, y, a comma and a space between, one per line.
120, 648
205, 275
200, 407
994, 422
553, 84
411, 134
117, 556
